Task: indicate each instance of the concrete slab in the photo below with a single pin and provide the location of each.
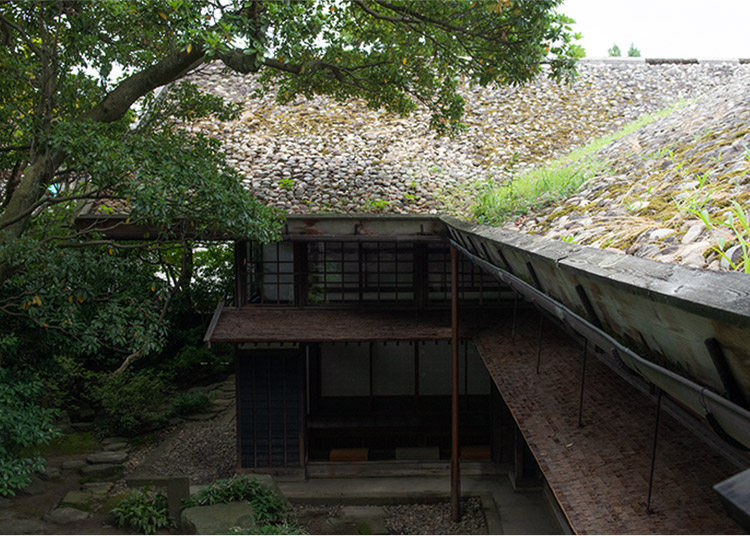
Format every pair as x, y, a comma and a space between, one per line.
506, 511
358, 520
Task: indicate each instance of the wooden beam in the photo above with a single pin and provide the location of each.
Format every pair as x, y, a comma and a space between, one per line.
212, 324
455, 476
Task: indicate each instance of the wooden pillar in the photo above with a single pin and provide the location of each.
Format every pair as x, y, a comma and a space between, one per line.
455, 478
240, 273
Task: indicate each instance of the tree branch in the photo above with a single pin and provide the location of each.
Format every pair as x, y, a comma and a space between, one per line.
181, 285
114, 106
29, 43
48, 200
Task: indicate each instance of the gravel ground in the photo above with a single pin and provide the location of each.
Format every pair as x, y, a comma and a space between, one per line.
431, 518
436, 518
205, 450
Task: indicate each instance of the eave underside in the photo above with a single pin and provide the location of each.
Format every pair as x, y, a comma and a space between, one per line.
599, 473
252, 324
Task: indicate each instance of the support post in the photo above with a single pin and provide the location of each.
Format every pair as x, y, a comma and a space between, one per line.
653, 452
240, 273
583, 380
455, 477
539, 351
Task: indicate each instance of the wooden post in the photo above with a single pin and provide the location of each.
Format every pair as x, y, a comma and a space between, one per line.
455, 478
649, 510
240, 273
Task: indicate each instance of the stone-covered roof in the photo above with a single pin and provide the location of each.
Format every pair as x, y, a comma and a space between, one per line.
321, 156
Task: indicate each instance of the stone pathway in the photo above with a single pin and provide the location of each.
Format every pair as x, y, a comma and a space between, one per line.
75, 492
68, 495
204, 448
99, 471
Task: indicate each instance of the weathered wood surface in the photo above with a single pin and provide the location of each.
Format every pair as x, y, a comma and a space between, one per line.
265, 324
363, 227
735, 495
664, 312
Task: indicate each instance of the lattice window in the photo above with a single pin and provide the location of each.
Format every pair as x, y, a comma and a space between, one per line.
474, 284
270, 273
360, 272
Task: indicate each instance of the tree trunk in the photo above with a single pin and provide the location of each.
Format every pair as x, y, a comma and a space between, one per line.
31, 187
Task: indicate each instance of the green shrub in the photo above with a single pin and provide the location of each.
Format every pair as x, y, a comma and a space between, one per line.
144, 512
193, 362
133, 403
270, 508
24, 426
189, 403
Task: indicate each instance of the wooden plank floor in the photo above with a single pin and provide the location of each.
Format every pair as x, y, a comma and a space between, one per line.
599, 473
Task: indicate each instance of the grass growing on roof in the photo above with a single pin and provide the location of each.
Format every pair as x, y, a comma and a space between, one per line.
495, 203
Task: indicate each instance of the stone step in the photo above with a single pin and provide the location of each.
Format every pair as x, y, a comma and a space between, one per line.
72, 465
103, 471
117, 446
98, 490
81, 500
65, 515
108, 456
116, 439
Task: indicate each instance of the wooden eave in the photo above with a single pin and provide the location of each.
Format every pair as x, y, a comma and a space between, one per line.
296, 228
271, 325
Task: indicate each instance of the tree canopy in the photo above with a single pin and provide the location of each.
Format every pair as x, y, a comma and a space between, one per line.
86, 120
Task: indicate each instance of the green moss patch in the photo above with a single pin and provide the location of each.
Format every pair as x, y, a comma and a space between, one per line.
79, 443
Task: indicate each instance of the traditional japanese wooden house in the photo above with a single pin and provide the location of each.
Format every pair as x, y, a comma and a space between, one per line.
619, 384
354, 335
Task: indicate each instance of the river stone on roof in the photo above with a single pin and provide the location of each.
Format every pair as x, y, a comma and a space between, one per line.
322, 156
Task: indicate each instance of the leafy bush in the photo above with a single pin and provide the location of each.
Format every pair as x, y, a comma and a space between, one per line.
133, 402
189, 403
23, 427
144, 512
191, 362
270, 508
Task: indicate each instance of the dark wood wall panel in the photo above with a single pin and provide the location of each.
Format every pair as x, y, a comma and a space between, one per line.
269, 409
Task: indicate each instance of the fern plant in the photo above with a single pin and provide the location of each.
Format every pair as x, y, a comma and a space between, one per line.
270, 508
144, 511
